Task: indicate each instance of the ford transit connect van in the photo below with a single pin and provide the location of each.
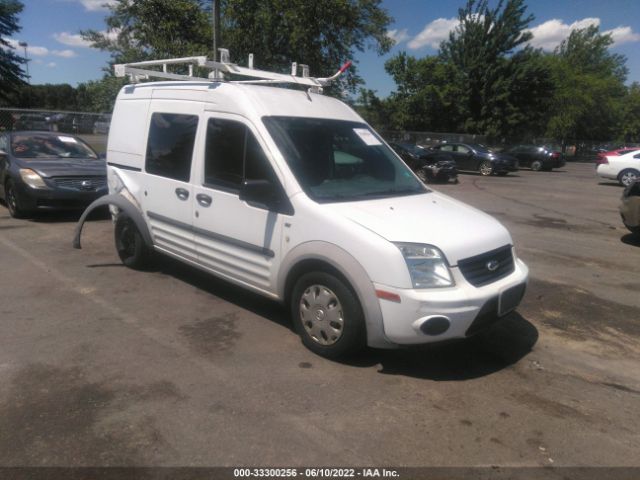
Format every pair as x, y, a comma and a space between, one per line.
292, 195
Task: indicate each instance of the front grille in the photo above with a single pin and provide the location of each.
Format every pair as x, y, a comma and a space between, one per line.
87, 184
476, 270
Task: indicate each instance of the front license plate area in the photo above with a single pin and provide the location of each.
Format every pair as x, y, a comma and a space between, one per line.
510, 298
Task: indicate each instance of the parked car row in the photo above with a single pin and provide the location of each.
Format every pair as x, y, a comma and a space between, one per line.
479, 158
77, 123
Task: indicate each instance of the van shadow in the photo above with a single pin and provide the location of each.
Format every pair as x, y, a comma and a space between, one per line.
502, 345
495, 349
632, 239
257, 304
68, 216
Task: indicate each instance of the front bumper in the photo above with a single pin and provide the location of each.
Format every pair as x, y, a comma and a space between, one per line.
468, 309
55, 198
630, 208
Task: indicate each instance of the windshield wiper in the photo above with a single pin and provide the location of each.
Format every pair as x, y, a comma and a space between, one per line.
392, 192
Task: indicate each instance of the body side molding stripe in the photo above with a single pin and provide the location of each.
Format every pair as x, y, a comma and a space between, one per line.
214, 236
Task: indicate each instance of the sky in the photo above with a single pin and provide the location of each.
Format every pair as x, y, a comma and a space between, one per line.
58, 54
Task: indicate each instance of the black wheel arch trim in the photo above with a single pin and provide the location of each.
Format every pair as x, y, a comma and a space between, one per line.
123, 204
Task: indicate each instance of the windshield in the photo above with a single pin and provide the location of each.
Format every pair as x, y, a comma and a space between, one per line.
50, 146
480, 147
338, 161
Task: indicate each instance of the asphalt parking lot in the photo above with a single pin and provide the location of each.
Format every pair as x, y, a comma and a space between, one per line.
102, 365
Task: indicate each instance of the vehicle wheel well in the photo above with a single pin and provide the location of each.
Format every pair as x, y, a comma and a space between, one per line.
310, 265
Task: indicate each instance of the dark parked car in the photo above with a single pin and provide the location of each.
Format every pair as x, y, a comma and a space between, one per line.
537, 157
479, 158
32, 121
48, 170
429, 166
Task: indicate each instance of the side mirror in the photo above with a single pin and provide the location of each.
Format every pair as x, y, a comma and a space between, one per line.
3, 154
264, 194
258, 191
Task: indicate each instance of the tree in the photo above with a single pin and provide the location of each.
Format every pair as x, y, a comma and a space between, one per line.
11, 73
630, 124
590, 89
482, 48
482, 80
320, 34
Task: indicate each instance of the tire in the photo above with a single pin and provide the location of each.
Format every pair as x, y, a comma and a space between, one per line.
485, 168
423, 175
628, 177
327, 315
11, 199
130, 245
536, 165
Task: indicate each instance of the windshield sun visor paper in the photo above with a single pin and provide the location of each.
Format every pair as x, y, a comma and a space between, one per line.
427, 265
367, 137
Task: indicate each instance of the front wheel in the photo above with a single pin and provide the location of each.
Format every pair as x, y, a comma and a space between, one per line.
486, 168
423, 175
130, 245
628, 177
11, 199
536, 165
327, 315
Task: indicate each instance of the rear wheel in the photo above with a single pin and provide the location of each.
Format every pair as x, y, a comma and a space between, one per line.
327, 315
485, 168
13, 204
130, 245
628, 177
536, 165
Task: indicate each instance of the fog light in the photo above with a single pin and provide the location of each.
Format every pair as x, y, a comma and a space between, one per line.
436, 325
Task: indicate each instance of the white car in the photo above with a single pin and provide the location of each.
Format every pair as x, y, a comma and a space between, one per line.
623, 168
292, 195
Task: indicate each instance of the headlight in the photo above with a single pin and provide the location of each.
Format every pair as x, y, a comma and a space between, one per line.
32, 179
427, 265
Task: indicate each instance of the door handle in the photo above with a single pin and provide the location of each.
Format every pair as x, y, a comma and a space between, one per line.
204, 200
182, 193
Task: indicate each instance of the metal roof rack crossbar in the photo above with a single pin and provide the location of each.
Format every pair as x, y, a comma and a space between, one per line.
138, 71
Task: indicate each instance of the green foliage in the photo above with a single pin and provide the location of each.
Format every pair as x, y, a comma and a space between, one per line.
630, 124
321, 34
481, 81
150, 29
12, 75
590, 91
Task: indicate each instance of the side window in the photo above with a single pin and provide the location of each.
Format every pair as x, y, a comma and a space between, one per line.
463, 149
446, 148
4, 144
170, 145
233, 155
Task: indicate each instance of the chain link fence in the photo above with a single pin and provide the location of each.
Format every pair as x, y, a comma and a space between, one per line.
94, 127
91, 127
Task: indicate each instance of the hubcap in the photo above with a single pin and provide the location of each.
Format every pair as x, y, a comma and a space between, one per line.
628, 178
321, 314
485, 169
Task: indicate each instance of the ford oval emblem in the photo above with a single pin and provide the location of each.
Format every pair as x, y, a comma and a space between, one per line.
492, 265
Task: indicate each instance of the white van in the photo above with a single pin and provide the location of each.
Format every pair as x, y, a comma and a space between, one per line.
292, 195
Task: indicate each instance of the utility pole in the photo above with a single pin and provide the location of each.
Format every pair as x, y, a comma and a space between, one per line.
216, 28
26, 59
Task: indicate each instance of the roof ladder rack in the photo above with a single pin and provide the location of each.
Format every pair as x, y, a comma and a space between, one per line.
138, 71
